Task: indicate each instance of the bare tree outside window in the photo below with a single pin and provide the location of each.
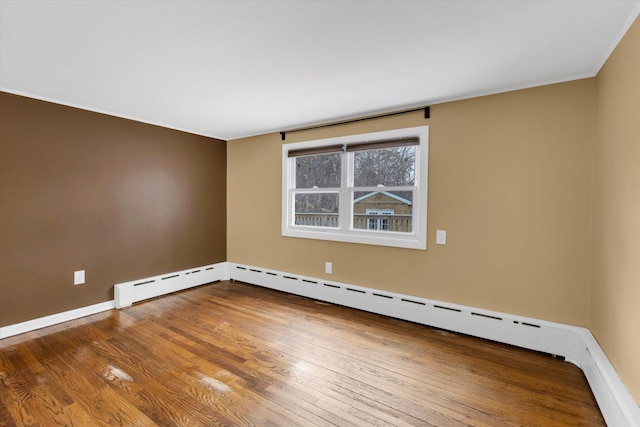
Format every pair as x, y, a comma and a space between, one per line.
319, 170
385, 167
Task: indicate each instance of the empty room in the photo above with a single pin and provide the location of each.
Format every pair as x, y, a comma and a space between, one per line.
320, 213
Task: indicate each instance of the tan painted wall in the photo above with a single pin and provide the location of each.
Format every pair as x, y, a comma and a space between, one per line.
615, 288
509, 179
117, 198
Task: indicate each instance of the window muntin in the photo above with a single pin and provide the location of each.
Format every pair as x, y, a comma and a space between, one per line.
367, 188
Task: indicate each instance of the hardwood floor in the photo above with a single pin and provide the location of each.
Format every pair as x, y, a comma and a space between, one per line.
234, 354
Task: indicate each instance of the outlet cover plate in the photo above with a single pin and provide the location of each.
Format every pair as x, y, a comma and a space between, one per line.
78, 277
328, 267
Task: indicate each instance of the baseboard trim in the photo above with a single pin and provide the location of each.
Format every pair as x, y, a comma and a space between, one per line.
576, 344
616, 403
54, 319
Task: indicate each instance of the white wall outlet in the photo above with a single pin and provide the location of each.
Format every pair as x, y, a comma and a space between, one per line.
328, 267
441, 237
78, 277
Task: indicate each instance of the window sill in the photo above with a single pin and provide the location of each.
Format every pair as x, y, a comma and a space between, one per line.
382, 238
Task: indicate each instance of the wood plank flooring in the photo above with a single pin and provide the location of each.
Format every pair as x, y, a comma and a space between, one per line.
233, 354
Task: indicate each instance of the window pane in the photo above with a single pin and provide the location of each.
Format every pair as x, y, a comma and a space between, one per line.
317, 209
383, 210
318, 171
385, 167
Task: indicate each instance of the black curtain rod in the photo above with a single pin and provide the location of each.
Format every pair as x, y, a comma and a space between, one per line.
427, 114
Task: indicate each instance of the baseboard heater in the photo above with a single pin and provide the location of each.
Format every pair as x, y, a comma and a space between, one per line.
127, 293
533, 334
577, 345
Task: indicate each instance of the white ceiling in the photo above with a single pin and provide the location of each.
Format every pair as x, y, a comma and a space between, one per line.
229, 69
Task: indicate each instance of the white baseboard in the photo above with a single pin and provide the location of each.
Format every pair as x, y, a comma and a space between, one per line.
576, 344
616, 403
127, 293
54, 319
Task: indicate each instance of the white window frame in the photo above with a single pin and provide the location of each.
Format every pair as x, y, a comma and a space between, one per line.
416, 239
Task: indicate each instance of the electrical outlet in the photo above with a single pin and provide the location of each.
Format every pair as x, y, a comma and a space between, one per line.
78, 277
328, 267
441, 237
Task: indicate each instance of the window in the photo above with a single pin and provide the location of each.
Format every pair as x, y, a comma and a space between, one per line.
378, 224
368, 188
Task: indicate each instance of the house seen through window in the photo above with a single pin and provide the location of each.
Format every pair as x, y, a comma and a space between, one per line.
363, 188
